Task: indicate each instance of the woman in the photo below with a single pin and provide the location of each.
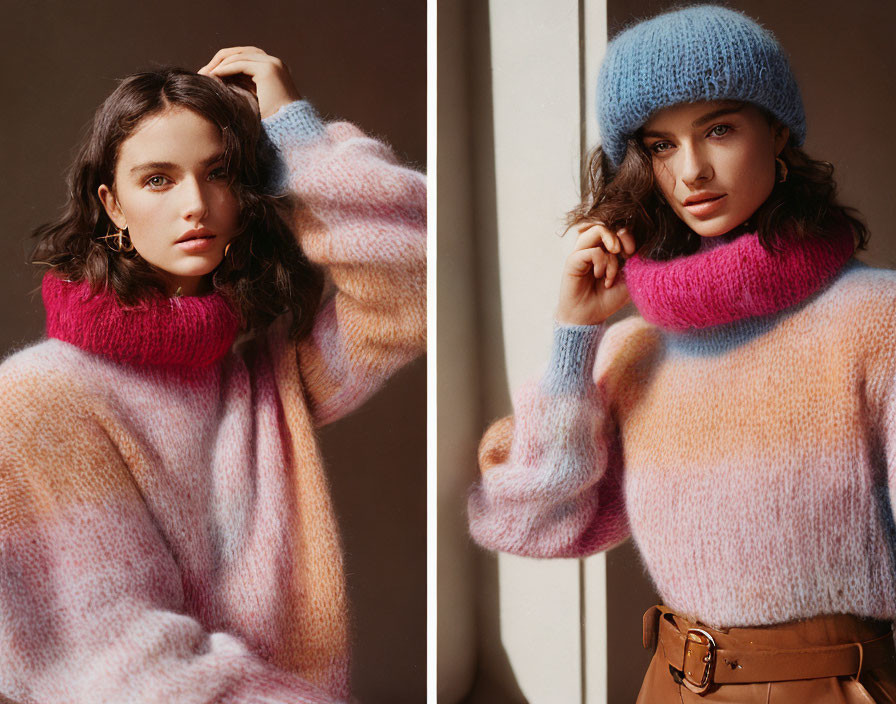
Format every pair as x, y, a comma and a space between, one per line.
741, 428
167, 532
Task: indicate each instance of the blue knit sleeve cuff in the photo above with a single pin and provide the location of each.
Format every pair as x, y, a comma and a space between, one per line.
572, 357
293, 124
291, 127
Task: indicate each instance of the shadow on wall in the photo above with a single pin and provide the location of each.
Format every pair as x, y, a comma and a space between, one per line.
377, 461
494, 680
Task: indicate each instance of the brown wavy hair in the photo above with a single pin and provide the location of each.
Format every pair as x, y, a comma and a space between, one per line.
265, 273
804, 205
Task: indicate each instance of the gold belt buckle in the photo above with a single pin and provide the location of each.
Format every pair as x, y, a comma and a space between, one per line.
695, 663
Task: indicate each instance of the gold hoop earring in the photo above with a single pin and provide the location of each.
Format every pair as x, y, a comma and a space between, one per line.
783, 169
122, 241
235, 265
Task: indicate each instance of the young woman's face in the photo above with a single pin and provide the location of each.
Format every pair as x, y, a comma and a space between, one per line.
171, 192
720, 150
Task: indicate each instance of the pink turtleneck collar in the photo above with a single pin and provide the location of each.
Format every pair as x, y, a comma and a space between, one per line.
193, 331
733, 281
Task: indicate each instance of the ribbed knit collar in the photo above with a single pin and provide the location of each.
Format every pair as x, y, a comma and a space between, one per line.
192, 331
733, 281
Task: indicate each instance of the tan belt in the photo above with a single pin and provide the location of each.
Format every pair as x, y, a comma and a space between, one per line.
697, 662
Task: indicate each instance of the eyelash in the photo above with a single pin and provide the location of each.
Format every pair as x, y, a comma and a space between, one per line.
728, 128
148, 181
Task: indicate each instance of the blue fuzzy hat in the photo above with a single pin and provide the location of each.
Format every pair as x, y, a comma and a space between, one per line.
703, 52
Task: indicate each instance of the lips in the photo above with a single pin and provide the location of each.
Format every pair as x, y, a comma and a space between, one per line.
707, 207
200, 233
701, 198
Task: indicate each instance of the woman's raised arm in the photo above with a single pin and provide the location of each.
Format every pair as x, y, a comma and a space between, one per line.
363, 219
551, 474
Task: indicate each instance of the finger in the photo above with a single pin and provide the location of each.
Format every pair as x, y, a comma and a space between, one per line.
581, 262
227, 52
628, 241
582, 226
612, 269
249, 67
250, 56
589, 227
591, 237
219, 56
599, 260
610, 241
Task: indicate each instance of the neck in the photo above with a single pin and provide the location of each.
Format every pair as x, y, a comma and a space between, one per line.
176, 286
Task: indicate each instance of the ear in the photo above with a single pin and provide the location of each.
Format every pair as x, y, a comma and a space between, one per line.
113, 210
781, 137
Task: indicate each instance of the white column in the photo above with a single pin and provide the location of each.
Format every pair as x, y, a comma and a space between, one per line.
537, 89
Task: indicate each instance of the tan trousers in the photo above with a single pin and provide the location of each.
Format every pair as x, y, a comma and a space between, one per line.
876, 684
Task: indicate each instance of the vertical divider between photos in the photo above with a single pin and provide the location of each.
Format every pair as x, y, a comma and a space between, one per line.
593, 45
552, 612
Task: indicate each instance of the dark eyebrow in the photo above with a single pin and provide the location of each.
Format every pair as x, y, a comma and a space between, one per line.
700, 121
169, 165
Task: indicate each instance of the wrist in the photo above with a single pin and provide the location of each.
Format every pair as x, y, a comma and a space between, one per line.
572, 357
565, 317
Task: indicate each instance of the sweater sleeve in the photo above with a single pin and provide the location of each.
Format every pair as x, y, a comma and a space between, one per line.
551, 474
363, 220
92, 606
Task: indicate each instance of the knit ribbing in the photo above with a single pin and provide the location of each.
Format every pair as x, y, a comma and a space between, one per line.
192, 331
705, 52
733, 281
572, 355
292, 126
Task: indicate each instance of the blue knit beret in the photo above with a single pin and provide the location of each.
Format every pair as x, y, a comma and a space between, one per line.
702, 52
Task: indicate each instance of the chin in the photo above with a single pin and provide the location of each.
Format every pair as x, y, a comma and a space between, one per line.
710, 229
198, 269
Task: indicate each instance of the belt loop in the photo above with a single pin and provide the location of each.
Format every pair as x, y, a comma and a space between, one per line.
861, 659
650, 626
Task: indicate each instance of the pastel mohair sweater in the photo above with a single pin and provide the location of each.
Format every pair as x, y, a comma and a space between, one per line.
744, 436
166, 528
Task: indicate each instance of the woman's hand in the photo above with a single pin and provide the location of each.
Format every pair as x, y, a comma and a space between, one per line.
271, 82
590, 291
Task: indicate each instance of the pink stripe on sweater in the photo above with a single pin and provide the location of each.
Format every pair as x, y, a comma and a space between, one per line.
193, 331
739, 280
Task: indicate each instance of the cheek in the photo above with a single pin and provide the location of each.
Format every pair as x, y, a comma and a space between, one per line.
665, 180
227, 208
144, 211
756, 178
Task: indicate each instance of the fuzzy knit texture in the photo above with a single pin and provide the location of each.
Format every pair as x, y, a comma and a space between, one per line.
724, 284
752, 462
191, 331
166, 528
703, 52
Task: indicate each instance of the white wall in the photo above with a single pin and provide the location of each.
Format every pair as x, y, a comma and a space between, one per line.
535, 616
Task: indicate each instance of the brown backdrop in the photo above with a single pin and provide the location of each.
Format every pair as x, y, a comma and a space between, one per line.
363, 61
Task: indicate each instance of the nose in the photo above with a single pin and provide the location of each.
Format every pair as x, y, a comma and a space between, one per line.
195, 201
695, 165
